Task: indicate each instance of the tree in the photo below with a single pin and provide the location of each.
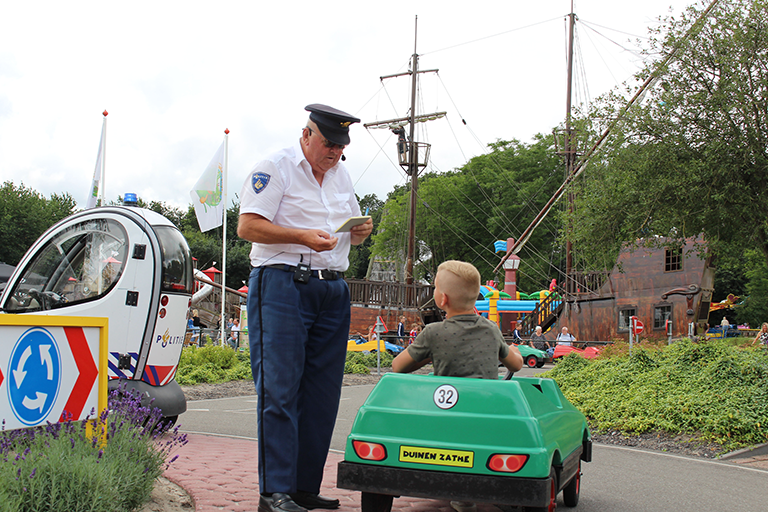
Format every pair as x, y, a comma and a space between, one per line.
460, 214
359, 255
25, 214
692, 159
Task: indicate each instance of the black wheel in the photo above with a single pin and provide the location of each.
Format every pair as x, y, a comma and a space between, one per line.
531, 361
372, 502
552, 505
541, 363
571, 491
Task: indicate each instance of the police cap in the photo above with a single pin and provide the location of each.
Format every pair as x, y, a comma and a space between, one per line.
333, 123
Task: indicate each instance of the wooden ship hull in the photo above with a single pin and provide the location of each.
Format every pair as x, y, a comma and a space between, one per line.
655, 285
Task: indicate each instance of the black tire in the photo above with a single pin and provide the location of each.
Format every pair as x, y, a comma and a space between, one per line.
571, 491
372, 502
531, 361
541, 363
552, 505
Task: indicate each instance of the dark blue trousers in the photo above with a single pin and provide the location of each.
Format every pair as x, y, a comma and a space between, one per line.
298, 338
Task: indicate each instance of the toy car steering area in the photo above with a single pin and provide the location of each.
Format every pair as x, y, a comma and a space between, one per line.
515, 442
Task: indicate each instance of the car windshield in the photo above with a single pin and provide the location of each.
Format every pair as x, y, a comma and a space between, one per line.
80, 263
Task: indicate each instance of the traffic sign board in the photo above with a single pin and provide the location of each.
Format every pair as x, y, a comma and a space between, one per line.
35, 370
54, 368
637, 325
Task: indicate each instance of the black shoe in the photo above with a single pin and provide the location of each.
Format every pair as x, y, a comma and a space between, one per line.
310, 501
279, 502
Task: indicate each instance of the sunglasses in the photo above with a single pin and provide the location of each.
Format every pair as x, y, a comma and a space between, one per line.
326, 142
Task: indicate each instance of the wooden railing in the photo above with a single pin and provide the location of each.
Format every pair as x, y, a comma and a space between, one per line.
545, 314
579, 283
388, 295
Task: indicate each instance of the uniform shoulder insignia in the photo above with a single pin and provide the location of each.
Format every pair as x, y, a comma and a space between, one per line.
260, 181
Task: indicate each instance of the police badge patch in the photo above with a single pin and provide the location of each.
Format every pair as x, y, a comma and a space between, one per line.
260, 181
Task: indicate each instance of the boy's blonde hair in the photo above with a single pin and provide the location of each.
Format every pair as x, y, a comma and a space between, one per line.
461, 282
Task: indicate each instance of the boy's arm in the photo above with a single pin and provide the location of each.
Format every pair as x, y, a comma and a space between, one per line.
513, 362
404, 363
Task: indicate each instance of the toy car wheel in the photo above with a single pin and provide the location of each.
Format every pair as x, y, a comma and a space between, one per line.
531, 361
372, 502
541, 363
571, 491
552, 505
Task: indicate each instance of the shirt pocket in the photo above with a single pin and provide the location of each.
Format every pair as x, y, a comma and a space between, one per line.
341, 203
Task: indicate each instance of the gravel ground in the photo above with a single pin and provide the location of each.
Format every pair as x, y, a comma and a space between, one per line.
658, 441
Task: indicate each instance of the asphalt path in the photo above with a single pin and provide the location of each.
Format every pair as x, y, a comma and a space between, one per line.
617, 480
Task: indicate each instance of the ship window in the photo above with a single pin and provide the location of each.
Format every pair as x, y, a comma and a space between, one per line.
177, 262
673, 260
80, 263
660, 315
624, 315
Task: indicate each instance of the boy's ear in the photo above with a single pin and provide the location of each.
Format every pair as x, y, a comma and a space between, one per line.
443, 302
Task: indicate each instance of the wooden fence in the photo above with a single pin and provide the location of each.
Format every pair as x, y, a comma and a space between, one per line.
388, 295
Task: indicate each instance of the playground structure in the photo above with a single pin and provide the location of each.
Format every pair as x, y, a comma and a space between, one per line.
495, 302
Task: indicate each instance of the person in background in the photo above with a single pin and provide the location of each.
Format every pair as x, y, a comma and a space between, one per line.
234, 333
724, 326
465, 344
762, 336
298, 304
539, 342
415, 330
516, 338
401, 331
565, 338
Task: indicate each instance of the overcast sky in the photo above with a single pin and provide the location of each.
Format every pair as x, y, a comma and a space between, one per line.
173, 75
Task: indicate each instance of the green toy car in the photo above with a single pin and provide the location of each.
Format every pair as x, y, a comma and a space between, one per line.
515, 442
532, 357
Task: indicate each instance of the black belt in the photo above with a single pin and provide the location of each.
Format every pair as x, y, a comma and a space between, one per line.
329, 275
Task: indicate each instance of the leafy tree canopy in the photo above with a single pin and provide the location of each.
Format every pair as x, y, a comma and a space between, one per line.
692, 158
25, 214
460, 214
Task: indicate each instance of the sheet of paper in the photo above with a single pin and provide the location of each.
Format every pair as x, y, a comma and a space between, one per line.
352, 222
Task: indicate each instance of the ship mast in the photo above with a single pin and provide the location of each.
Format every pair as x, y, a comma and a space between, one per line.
570, 149
413, 156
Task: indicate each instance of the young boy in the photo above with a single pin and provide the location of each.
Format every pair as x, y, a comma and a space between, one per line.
465, 344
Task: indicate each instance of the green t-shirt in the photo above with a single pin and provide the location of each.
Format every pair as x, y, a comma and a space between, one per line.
462, 346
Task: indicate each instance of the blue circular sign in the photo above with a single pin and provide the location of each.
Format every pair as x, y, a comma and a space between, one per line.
34, 376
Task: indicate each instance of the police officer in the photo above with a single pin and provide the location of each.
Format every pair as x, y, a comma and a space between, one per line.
298, 304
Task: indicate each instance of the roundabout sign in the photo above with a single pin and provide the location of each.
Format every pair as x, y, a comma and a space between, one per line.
35, 367
53, 369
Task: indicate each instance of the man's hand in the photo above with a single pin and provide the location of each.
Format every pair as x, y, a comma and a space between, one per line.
318, 240
360, 232
255, 228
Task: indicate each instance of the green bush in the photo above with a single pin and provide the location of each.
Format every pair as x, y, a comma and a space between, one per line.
714, 390
62, 467
369, 359
212, 364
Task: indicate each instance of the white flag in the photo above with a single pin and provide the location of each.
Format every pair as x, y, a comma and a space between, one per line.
94, 193
207, 193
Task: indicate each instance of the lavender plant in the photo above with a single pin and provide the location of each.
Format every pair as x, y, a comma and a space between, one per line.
109, 463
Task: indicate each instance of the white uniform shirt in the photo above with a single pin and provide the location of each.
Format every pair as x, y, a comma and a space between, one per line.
283, 190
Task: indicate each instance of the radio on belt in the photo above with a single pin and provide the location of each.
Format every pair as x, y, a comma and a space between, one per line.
302, 273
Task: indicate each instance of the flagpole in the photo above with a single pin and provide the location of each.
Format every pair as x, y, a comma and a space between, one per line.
103, 158
224, 235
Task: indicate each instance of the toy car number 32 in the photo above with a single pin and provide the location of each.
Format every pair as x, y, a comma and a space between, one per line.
446, 396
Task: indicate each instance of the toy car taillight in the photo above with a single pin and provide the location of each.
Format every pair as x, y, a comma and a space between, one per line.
370, 451
506, 463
